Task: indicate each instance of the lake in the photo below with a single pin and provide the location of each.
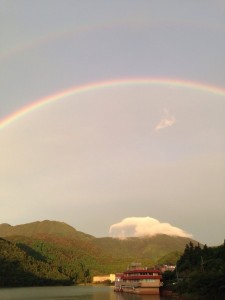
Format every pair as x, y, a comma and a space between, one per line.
71, 292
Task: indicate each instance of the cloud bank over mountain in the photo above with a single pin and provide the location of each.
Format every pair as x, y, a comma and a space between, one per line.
144, 226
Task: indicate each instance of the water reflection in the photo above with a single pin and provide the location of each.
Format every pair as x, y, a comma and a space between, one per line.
70, 293
124, 296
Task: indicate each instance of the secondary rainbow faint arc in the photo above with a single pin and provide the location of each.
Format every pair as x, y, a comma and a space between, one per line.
109, 84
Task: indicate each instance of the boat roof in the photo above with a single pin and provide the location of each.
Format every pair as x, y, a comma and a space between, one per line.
142, 270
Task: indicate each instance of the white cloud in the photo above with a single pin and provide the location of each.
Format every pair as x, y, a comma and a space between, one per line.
144, 226
166, 121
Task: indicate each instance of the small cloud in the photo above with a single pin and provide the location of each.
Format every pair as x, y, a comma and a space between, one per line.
144, 226
166, 121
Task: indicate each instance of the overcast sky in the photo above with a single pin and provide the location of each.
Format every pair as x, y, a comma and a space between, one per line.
132, 156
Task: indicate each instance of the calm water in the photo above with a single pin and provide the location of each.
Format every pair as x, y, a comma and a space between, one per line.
71, 292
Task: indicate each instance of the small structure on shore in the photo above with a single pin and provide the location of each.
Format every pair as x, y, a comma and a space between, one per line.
104, 278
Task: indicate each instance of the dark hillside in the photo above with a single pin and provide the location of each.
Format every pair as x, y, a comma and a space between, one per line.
70, 256
17, 268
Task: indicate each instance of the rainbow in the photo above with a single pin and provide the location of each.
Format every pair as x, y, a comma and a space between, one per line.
53, 36
109, 84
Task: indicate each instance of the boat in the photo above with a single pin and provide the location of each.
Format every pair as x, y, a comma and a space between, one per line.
139, 280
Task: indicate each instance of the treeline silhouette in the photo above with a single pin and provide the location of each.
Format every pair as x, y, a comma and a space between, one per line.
199, 271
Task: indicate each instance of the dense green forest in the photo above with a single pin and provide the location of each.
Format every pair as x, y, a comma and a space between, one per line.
199, 271
49, 259
54, 253
17, 268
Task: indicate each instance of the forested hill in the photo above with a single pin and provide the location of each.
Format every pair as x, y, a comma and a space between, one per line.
55, 252
148, 248
43, 227
17, 268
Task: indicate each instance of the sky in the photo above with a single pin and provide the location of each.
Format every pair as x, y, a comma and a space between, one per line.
112, 116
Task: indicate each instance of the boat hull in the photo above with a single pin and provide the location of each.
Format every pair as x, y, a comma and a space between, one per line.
142, 291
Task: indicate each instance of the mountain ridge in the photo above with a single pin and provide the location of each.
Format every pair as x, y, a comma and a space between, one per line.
42, 227
59, 228
59, 233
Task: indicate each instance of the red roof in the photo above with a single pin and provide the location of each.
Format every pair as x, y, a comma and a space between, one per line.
135, 277
142, 271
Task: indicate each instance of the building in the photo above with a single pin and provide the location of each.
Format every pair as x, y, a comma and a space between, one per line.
104, 278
